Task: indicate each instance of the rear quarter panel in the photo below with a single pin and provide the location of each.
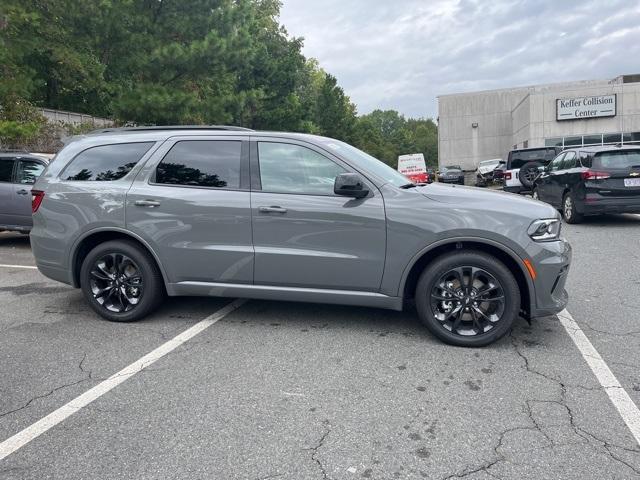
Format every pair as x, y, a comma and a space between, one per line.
71, 210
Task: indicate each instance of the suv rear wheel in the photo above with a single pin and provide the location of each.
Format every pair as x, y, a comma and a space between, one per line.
121, 281
467, 298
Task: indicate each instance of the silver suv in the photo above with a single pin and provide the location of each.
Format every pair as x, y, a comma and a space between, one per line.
132, 215
18, 172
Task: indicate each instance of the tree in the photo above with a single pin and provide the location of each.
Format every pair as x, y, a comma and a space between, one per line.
181, 62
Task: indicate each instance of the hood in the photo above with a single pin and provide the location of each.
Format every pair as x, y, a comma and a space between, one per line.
481, 198
487, 168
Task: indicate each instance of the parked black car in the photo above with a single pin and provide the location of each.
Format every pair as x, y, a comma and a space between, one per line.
592, 181
451, 174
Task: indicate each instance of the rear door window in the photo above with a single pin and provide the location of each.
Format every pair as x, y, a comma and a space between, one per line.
106, 162
569, 161
557, 162
620, 159
202, 163
6, 169
29, 171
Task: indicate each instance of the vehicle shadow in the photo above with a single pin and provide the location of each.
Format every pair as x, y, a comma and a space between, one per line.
10, 239
612, 220
293, 318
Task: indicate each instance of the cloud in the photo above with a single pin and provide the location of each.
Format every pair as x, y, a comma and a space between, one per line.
401, 55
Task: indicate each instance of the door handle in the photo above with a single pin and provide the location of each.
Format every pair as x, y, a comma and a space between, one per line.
272, 209
146, 203
23, 192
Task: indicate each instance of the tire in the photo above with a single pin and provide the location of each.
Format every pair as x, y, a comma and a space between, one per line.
569, 211
141, 292
528, 173
500, 315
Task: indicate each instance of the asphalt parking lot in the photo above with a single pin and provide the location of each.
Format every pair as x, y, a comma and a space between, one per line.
307, 391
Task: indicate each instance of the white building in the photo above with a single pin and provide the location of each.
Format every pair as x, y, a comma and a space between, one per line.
479, 126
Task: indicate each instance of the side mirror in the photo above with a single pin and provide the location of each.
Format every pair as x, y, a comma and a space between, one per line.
502, 162
350, 185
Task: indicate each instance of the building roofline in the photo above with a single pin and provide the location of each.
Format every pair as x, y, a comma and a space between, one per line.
594, 82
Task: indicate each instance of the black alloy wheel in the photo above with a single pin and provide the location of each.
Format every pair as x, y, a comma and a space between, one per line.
467, 298
467, 301
121, 281
116, 283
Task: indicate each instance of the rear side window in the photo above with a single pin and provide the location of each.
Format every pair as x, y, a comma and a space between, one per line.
585, 160
621, 159
106, 162
202, 163
29, 171
6, 169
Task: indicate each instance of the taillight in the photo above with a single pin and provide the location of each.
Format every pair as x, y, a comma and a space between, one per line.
507, 175
594, 175
38, 195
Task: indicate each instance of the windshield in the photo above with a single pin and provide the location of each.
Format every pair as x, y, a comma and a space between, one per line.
622, 159
367, 162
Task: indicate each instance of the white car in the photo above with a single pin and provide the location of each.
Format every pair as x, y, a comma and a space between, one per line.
484, 172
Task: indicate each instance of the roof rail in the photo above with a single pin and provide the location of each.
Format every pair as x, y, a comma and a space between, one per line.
9, 150
169, 127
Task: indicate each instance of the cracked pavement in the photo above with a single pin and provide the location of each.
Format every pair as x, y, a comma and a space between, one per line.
300, 391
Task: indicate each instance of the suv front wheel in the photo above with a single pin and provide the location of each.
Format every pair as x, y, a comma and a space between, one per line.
121, 281
467, 298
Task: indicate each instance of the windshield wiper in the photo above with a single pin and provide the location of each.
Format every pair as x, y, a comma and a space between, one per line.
408, 185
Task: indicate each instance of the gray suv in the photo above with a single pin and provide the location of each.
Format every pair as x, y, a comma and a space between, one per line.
132, 215
18, 172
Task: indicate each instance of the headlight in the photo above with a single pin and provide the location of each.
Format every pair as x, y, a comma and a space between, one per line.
545, 230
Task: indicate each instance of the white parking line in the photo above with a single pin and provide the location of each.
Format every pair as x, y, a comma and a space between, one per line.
619, 397
31, 267
23, 437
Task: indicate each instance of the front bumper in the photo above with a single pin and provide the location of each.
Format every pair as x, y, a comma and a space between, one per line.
551, 261
451, 180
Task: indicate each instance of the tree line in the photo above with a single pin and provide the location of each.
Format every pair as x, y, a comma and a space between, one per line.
161, 62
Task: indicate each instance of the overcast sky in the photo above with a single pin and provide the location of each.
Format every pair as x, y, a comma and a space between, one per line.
401, 54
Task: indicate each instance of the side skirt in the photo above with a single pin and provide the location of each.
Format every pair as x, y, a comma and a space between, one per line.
291, 294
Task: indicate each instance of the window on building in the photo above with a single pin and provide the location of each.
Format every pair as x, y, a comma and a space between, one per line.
573, 141
609, 138
553, 142
592, 140
635, 137
202, 163
106, 162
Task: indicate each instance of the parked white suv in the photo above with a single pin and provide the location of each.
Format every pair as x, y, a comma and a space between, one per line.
524, 165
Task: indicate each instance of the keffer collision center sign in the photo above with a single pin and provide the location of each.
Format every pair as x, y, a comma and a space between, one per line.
586, 107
